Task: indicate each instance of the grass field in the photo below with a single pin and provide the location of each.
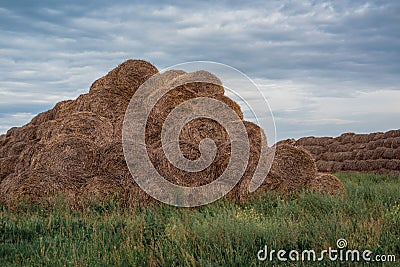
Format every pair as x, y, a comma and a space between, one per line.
220, 234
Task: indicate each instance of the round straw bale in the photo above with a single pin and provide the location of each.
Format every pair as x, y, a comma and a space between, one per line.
396, 143
388, 142
16, 148
380, 164
346, 138
324, 141
161, 110
350, 165
240, 192
24, 161
314, 150
12, 131
37, 186
99, 83
190, 151
369, 165
362, 166
324, 166
43, 117
368, 154
388, 153
125, 79
69, 155
362, 146
111, 159
7, 166
378, 153
306, 141
201, 128
323, 157
202, 83
327, 184
232, 104
103, 104
360, 155
289, 141
342, 156
337, 166
371, 145
3, 139
393, 164
329, 156
169, 102
100, 188
333, 147
344, 147
26, 133
392, 134
379, 143
91, 125
4, 149
64, 108
396, 153
360, 138
292, 168
378, 136
122, 189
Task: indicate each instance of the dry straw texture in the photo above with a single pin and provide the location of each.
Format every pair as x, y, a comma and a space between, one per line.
293, 168
327, 184
75, 149
371, 153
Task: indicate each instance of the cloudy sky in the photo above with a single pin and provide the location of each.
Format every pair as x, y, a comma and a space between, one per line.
326, 67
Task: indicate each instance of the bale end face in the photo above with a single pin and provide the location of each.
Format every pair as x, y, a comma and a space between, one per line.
327, 184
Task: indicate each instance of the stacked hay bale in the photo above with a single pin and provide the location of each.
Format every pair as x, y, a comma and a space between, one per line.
75, 149
369, 153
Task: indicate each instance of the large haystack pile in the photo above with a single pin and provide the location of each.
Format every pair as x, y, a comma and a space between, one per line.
75, 149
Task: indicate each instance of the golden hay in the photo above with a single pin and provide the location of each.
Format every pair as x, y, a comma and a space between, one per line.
111, 159
169, 102
327, 184
289, 141
191, 152
7, 166
117, 127
393, 164
103, 104
43, 117
15, 148
36, 186
26, 133
68, 155
125, 79
25, 157
96, 128
392, 133
63, 109
122, 189
241, 191
75, 148
201, 83
325, 166
292, 169
199, 129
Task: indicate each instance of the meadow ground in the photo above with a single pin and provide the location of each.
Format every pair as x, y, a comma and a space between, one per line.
220, 234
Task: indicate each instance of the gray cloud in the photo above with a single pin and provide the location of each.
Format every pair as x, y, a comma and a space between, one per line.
316, 50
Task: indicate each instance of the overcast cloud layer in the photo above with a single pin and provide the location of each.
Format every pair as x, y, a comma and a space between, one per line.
326, 67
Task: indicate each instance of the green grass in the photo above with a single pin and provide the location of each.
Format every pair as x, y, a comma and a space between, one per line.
220, 234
